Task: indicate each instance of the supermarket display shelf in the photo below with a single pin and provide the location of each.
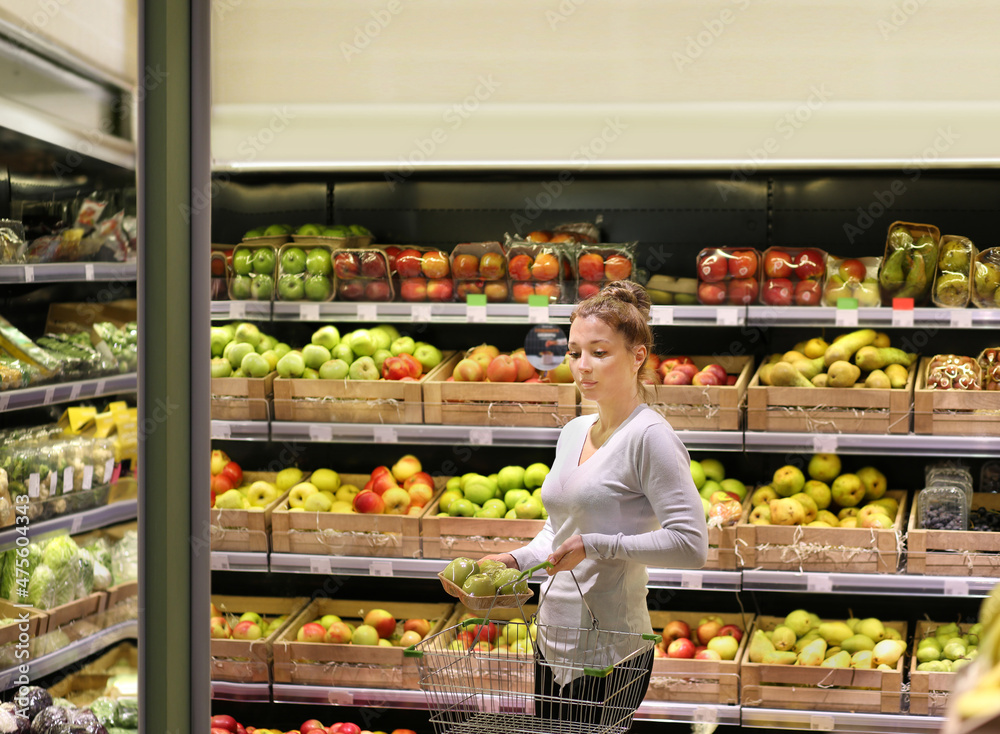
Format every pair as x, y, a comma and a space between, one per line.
67, 272
903, 444
242, 692
34, 397
73, 652
78, 522
840, 722
241, 430
238, 561
871, 584
240, 310
927, 318
467, 435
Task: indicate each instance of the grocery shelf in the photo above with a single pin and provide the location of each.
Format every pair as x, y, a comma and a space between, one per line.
240, 310
672, 578
871, 584
67, 272
903, 444
241, 430
78, 522
233, 561
242, 692
693, 713
62, 392
840, 722
926, 318
73, 652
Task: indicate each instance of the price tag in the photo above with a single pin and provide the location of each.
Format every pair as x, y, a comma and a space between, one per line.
538, 309
956, 587
961, 318
380, 568
29, 273
67, 479
705, 715
662, 315
420, 312
4, 400
74, 392
902, 312
102, 386
221, 429
727, 316
691, 580
50, 394
34, 490
319, 565
88, 476
367, 312
340, 697
825, 443
384, 434
819, 722
320, 432
109, 467
88, 271
475, 314
77, 523
220, 562
847, 312
237, 310
819, 583
309, 312
480, 436
53, 481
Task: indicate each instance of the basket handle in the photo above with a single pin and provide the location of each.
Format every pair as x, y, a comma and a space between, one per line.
529, 572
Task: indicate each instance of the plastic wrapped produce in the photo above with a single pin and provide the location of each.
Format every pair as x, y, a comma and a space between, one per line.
989, 363
12, 244
910, 261
29, 557
100, 549
16, 373
953, 372
125, 558
953, 277
62, 555
13, 722
102, 577
78, 360
85, 572
33, 699
81, 721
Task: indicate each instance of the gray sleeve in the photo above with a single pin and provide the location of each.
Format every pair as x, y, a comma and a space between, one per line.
663, 471
538, 550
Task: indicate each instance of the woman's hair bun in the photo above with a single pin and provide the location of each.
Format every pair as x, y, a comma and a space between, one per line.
630, 292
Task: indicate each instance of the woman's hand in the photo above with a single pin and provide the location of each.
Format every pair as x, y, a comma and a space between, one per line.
567, 556
505, 558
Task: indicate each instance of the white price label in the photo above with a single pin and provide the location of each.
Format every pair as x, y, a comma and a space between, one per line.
319, 565
220, 562
29, 273
309, 312
538, 314
75, 526
320, 432
691, 580
475, 314
88, 476
367, 312
109, 467
956, 587
705, 715
825, 443
33, 486
903, 318
221, 429
819, 583
662, 315
481, 436
74, 392
237, 310
340, 697
53, 483
846, 317
67, 479
384, 434
961, 318
4, 400
727, 316
88, 271
420, 312
50, 394
380, 568
820, 722
102, 385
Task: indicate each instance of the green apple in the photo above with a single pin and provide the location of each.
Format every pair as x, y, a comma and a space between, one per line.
460, 569
315, 355
528, 509
709, 488
363, 368
391, 330
236, 351
380, 356
220, 337
241, 287
256, 232
429, 356
364, 635
291, 365
447, 497
318, 288
479, 491
252, 616
479, 584
511, 477
310, 230
254, 365
263, 260
281, 349
276, 230
343, 351
462, 508
535, 475
513, 496
291, 288
401, 345
243, 261
358, 230
336, 230
735, 486
248, 333
310, 374
288, 478
362, 343
266, 342
697, 474
381, 337
713, 469
491, 513
318, 261
262, 288
221, 367
334, 369
326, 336
497, 506
293, 260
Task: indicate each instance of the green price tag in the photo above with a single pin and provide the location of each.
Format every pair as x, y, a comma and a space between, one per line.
538, 300
475, 299
847, 304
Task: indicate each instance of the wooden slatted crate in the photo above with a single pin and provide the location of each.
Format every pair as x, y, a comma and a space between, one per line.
954, 552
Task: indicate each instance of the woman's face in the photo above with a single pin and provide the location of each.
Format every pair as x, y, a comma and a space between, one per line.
603, 367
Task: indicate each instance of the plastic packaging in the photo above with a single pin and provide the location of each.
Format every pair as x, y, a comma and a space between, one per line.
989, 477
421, 274
305, 273
480, 268
952, 281
538, 269
942, 508
63, 246
90, 213
16, 344
597, 265
729, 275
792, 276
952, 476
578, 232
854, 277
16, 373
77, 358
989, 363
363, 275
252, 275
909, 263
954, 372
986, 279
12, 244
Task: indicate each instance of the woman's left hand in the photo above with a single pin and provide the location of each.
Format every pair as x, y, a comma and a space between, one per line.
567, 556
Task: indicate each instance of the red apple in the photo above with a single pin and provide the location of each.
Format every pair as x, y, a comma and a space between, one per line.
680, 648
808, 293
465, 266
676, 378
520, 267
351, 290
777, 264
391, 253
743, 264
852, 269
369, 503
383, 622
413, 289
408, 263
675, 629
496, 291
308, 726
467, 288
440, 290
539, 235
394, 368
709, 628
378, 290
416, 369
705, 378
311, 632
221, 483
688, 368
434, 264
671, 362
346, 265
418, 625
420, 477
718, 369
706, 654
585, 290
617, 267
525, 370
234, 472
713, 267
731, 629
502, 369
545, 267
742, 291
521, 292
491, 266
349, 728
778, 292
374, 265
224, 721
809, 264
486, 632
711, 294
731, 380
590, 266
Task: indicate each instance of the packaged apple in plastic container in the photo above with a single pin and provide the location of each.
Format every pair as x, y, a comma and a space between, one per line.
336, 236
536, 269
362, 275
729, 275
480, 268
792, 276
305, 273
909, 263
852, 277
989, 363
423, 274
986, 279
953, 275
954, 372
942, 508
597, 265
252, 273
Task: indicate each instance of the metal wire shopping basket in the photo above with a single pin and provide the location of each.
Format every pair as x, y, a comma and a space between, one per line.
591, 680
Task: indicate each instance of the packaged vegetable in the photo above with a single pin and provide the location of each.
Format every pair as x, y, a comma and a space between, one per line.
909, 262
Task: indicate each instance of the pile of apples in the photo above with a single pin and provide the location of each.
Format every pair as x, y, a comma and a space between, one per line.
721, 497
681, 370
362, 354
595, 269
226, 474
403, 489
322, 491
362, 275
829, 499
476, 274
305, 273
710, 639
310, 230
225, 724
423, 275
250, 626
805, 639
378, 627
514, 493
241, 350
486, 363
507, 638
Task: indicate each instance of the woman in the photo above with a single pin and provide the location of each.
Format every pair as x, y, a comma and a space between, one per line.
619, 497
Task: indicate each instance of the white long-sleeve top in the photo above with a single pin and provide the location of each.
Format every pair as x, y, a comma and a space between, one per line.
634, 505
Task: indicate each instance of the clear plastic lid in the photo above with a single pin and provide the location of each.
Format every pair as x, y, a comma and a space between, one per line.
946, 467
942, 508
989, 477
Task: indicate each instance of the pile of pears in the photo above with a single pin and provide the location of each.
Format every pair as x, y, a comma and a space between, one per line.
805, 639
945, 649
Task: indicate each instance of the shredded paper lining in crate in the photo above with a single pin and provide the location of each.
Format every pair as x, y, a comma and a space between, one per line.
336, 538
484, 603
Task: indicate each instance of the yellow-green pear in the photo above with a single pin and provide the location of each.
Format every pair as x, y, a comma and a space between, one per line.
928, 653
853, 623
887, 652
814, 653
885, 668
783, 637
780, 657
862, 660
892, 633
799, 622
814, 621
834, 632
857, 643
808, 505
806, 639
759, 647
872, 628
841, 660
831, 651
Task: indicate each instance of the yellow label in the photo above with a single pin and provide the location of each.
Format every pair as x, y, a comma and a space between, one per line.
77, 418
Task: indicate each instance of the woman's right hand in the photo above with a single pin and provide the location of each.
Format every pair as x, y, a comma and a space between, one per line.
505, 558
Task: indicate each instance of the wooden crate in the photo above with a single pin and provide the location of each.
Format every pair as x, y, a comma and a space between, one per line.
831, 550
69, 612
725, 552
245, 531
496, 403
249, 661
697, 681
348, 534
954, 552
362, 666
351, 401
33, 622
929, 691
694, 408
242, 398
829, 409
954, 412
820, 689
120, 592
472, 537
